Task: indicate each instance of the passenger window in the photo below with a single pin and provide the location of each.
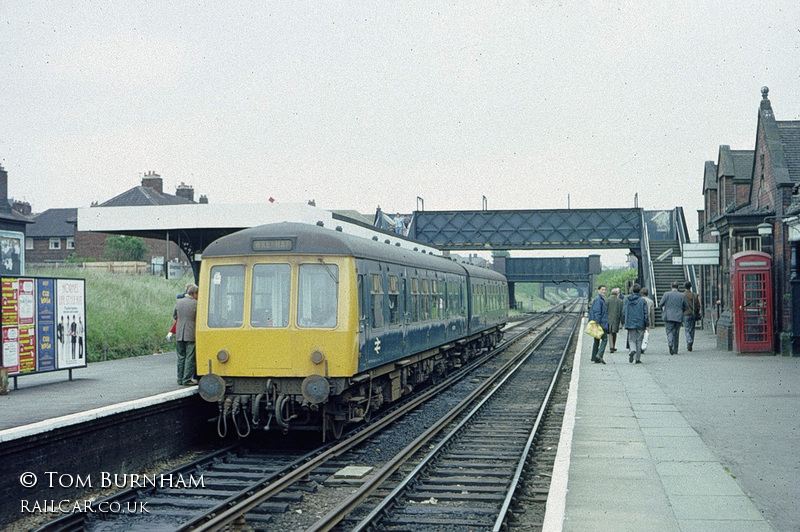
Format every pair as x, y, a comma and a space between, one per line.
434, 299
269, 306
318, 295
226, 296
394, 300
426, 301
414, 299
377, 300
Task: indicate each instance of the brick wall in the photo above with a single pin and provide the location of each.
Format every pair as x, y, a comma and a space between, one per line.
92, 245
41, 251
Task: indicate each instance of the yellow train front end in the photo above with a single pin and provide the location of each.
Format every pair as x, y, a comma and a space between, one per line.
277, 334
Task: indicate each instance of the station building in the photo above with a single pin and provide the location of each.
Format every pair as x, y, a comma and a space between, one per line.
752, 204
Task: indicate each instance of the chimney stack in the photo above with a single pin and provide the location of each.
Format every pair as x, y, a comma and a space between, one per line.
22, 207
4, 206
185, 191
153, 180
203, 198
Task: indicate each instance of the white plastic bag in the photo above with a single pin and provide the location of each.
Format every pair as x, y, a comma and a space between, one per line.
644, 340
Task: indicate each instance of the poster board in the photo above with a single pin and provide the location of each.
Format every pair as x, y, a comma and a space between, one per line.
43, 324
12, 253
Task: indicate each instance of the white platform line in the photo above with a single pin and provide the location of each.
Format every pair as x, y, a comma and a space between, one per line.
73, 419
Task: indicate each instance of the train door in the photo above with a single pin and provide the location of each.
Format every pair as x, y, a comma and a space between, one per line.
363, 322
405, 314
752, 302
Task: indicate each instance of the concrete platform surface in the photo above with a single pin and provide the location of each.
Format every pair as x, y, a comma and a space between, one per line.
700, 441
100, 385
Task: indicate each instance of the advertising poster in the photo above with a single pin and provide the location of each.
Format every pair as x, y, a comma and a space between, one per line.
27, 322
12, 253
11, 349
70, 323
9, 288
27, 349
45, 325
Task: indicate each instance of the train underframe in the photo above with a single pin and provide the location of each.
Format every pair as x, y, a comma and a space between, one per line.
329, 404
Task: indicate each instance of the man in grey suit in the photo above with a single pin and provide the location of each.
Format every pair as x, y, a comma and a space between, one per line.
672, 306
186, 315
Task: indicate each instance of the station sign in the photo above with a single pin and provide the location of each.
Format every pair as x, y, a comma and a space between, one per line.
701, 254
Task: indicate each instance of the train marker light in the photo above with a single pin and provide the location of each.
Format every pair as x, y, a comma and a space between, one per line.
317, 357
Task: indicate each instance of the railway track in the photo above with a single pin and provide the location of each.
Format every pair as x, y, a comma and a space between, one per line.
464, 472
262, 488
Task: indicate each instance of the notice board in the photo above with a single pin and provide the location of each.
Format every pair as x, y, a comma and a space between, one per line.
44, 324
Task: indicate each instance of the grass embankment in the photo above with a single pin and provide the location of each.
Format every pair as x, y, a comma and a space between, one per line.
126, 315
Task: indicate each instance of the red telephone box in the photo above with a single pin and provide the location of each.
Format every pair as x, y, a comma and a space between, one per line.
751, 280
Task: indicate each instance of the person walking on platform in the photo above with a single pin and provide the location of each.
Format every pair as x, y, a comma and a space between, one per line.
614, 318
690, 314
651, 313
599, 314
637, 322
672, 306
186, 315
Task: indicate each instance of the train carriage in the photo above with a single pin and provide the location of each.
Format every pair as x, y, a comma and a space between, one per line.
303, 327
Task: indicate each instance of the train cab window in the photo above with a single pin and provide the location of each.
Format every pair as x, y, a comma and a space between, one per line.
226, 296
376, 301
318, 295
269, 306
394, 300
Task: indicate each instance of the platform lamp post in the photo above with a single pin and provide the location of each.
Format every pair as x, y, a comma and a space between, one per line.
711, 283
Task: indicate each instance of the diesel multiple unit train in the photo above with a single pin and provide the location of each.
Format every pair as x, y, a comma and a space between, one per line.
300, 327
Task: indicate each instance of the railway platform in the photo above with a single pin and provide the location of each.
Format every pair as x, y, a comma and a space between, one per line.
699, 441
47, 400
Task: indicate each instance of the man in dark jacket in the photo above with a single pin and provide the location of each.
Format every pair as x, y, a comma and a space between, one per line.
599, 314
637, 321
672, 306
614, 317
690, 315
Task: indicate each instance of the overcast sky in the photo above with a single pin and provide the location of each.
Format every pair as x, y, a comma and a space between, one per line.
357, 105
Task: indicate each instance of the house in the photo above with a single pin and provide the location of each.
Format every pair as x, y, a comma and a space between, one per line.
750, 196
150, 192
53, 237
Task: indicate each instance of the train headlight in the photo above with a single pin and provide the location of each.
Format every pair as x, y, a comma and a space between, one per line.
317, 357
223, 355
316, 389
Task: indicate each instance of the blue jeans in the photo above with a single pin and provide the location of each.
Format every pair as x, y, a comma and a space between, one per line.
635, 337
688, 325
